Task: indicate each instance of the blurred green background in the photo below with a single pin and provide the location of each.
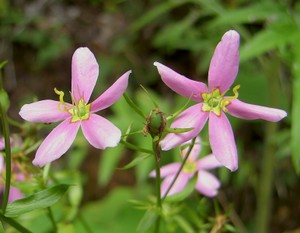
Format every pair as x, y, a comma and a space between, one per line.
39, 37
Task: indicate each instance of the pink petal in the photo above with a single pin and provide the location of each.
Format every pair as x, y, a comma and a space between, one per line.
180, 84
167, 170
208, 162
56, 143
195, 152
14, 194
2, 144
1, 162
100, 132
112, 94
178, 186
45, 111
193, 117
85, 71
207, 184
222, 141
243, 110
224, 64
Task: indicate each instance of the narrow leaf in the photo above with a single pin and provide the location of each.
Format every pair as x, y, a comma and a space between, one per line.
134, 106
136, 161
42, 199
178, 130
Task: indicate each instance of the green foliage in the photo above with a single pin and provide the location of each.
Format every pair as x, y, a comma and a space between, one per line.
41, 199
132, 35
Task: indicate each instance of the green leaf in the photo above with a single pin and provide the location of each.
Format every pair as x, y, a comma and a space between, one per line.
134, 106
268, 40
42, 199
2, 64
178, 130
253, 13
184, 224
1, 228
155, 13
108, 163
136, 161
147, 221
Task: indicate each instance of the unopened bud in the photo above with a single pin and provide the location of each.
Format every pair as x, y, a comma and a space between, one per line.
155, 123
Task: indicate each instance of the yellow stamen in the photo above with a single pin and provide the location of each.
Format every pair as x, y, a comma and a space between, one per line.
61, 101
215, 102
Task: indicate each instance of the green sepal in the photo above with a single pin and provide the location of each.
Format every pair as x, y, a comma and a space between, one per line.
174, 115
136, 161
134, 106
178, 130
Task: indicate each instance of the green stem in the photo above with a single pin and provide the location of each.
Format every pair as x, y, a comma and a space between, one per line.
14, 123
51, 217
180, 169
264, 198
84, 224
134, 147
5, 128
158, 193
14, 224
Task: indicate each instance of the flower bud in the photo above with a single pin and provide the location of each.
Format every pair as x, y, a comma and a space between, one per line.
155, 123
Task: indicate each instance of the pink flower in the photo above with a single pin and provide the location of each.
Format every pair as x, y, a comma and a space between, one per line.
99, 132
206, 183
213, 104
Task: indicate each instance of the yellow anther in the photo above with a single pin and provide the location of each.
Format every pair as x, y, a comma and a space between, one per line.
61, 101
61, 95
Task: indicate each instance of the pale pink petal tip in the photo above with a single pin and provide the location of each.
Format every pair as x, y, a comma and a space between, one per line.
85, 70
100, 132
244, 110
231, 34
222, 141
112, 94
180, 84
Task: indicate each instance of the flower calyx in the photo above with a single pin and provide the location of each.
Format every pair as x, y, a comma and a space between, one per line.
215, 102
155, 123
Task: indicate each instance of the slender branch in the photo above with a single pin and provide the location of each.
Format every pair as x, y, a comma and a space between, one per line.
86, 227
180, 169
14, 224
51, 217
134, 147
156, 151
6, 134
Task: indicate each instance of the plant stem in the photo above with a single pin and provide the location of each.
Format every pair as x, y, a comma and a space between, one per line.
158, 193
5, 128
180, 169
51, 217
264, 197
84, 224
14, 224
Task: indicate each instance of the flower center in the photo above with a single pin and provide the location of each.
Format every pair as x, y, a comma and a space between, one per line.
79, 111
189, 167
215, 102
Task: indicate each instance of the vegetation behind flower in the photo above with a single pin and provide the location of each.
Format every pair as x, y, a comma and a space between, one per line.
88, 190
